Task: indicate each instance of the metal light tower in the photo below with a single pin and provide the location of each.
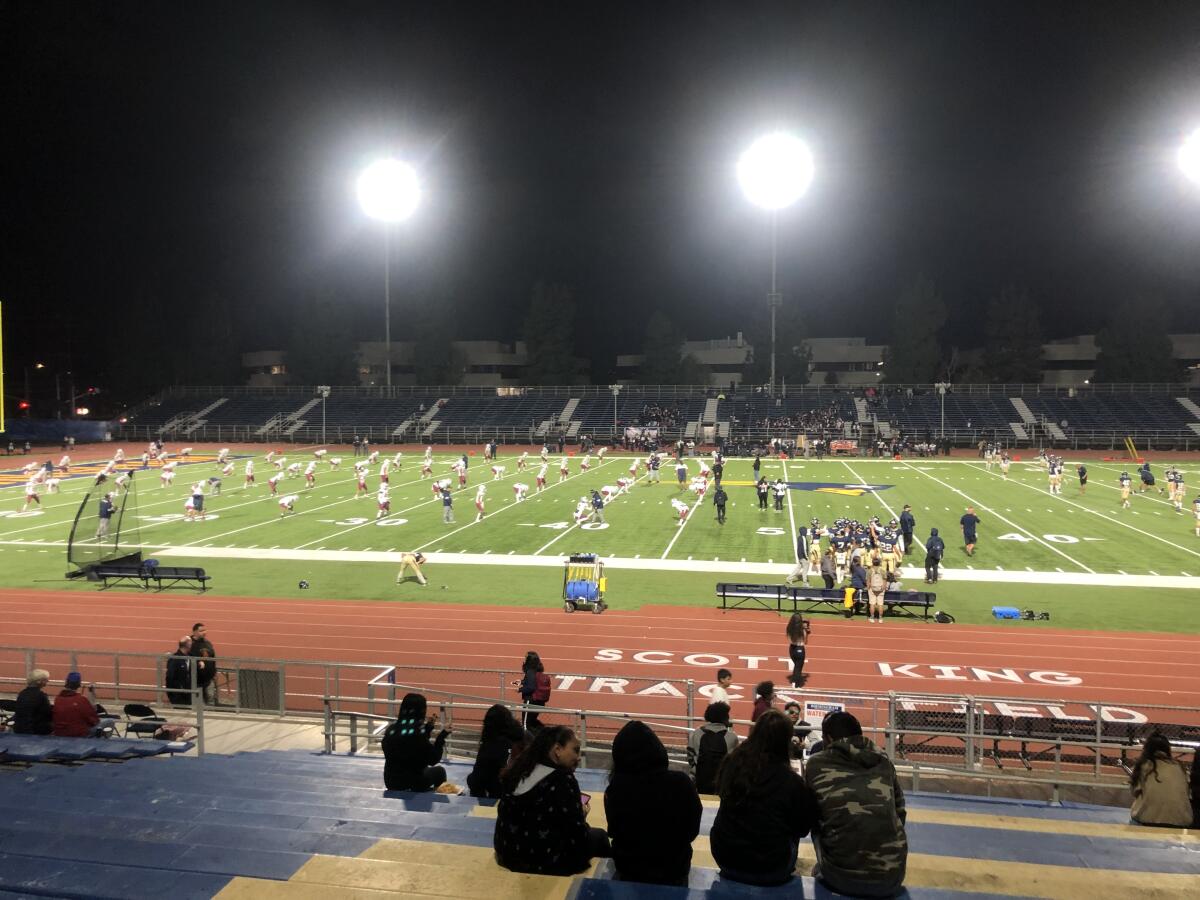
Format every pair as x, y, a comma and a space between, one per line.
323, 393
388, 190
774, 173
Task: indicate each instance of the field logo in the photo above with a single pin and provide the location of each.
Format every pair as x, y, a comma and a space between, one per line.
829, 487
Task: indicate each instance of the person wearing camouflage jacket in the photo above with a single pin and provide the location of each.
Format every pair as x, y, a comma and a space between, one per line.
860, 842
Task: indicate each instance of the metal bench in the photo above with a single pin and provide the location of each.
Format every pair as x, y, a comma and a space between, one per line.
788, 598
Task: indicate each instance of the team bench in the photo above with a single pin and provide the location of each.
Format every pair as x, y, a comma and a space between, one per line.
804, 599
160, 576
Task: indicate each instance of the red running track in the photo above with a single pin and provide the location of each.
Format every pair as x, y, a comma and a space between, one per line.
643, 647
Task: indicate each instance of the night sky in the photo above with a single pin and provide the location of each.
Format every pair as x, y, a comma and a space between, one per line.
163, 157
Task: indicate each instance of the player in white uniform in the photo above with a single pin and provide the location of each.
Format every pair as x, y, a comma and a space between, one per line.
119, 456
271, 455
520, 490
1180, 491
439, 486
460, 468
540, 478
681, 508
186, 451
293, 470
564, 469
989, 457
65, 463
310, 474
335, 462
585, 463
165, 477
228, 470
374, 456
222, 456
319, 453
633, 467
545, 452
384, 501
699, 486
1126, 489
287, 505
429, 455
583, 510
360, 477
122, 483
189, 509
249, 472
273, 482
279, 462
31, 495
426, 468
398, 460
624, 484
53, 483
600, 451
705, 471
1196, 513
497, 472
1005, 462
479, 492
384, 468
523, 461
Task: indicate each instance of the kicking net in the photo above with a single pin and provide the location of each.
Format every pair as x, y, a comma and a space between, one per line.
91, 542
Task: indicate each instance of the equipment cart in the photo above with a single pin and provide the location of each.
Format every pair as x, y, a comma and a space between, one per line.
584, 584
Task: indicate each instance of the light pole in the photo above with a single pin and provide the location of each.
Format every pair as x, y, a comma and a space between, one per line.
388, 190
941, 389
774, 173
323, 393
616, 390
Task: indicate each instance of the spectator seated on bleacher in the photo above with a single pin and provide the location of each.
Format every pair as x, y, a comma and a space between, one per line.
765, 807
859, 837
708, 746
541, 821
1159, 784
33, 714
410, 757
653, 813
500, 735
74, 715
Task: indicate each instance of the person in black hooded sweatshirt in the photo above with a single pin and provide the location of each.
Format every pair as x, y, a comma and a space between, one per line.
653, 813
410, 757
501, 732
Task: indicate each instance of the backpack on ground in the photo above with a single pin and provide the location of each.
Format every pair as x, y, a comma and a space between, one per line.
708, 760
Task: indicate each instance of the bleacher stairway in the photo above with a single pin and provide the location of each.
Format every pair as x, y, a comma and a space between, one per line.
298, 824
1191, 406
1020, 429
294, 421
193, 421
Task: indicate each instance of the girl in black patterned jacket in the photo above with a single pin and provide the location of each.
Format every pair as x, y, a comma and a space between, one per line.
541, 823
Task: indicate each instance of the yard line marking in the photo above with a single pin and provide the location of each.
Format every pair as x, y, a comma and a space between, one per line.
679, 529
1009, 522
1152, 572
1097, 512
791, 513
1122, 572
567, 531
875, 494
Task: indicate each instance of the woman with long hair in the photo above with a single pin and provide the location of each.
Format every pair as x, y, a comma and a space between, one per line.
541, 820
501, 733
765, 807
534, 688
764, 699
410, 757
797, 634
653, 813
1159, 785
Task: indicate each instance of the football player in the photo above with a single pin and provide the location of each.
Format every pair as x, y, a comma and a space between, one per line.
384, 501
540, 478
520, 490
1126, 487
681, 508
479, 492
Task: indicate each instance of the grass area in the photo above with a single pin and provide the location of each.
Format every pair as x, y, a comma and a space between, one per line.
1024, 532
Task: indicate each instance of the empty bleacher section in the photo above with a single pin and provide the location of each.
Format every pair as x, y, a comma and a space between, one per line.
294, 824
1101, 417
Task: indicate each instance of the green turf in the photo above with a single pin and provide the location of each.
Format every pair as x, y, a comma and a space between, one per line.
1023, 530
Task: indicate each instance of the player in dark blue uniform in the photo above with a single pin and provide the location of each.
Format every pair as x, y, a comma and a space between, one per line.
969, 523
1082, 470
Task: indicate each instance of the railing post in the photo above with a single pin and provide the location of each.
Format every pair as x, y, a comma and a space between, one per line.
583, 737
691, 703
1099, 737
282, 689
354, 734
972, 752
330, 737
116, 676
891, 730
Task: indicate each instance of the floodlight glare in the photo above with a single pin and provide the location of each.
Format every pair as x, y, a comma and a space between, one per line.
1189, 156
388, 190
776, 171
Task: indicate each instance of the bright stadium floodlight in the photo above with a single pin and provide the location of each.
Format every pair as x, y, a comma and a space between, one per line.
1189, 156
774, 173
388, 190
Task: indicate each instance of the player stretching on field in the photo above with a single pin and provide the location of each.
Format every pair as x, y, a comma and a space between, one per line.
1126, 487
520, 490
564, 470
541, 476
384, 501
479, 492
1004, 464
522, 461
310, 474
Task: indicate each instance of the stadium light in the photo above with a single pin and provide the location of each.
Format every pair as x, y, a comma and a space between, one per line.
774, 173
388, 190
1189, 156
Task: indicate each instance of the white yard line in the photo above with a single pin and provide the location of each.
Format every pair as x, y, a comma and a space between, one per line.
777, 570
1108, 518
1009, 522
791, 513
891, 511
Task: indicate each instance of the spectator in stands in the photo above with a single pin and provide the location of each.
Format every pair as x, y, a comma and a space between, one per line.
74, 715
534, 688
765, 807
653, 813
719, 692
501, 734
206, 668
764, 699
178, 679
829, 569
1159, 785
801, 729
541, 821
410, 757
708, 746
859, 836
33, 714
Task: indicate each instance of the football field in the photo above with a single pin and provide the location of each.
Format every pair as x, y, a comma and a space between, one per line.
1034, 548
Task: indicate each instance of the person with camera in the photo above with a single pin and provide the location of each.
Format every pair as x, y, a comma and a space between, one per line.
534, 688
75, 715
410, 756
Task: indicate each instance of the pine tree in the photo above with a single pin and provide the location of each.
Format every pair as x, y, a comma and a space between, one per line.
1134, 347
914, 352
1013, 345
550, 335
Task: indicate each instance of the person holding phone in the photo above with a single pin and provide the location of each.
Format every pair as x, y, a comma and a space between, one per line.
541, 820
653, 812
410, 757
